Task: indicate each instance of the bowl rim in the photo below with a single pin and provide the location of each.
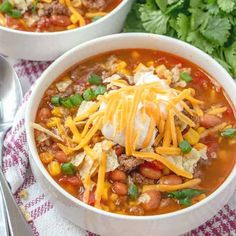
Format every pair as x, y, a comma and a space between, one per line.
42, 34
34, 153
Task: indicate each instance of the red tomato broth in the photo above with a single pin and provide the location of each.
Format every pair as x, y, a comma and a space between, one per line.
214, 171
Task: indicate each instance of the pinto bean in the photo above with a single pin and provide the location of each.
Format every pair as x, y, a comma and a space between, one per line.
61, 156
119, 176
119, 188
171, 180
153, 200
60, 20
209, 121
150, 172
44, 114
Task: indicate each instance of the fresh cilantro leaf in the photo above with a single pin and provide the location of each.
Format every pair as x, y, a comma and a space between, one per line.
198, 18
217, 30
151, 4
171, 1
232, 19
133, 22
185, 201
195, 3
162, 4
199, 41
230, 56
185, 195
182, 26
229, 133
226, 5
174, 7
212, 8
153, 21
223, 63
171, 33
173, 23
207, 24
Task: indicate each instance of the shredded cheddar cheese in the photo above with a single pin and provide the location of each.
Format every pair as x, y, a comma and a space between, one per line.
170, 188
216, 110
168, 151
100, 182
163, 160
75, 13
87, 184
89, 135
93, 14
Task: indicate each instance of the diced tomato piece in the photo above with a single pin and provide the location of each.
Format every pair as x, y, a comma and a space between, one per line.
199, 78
162, 60
73, 180
229, 112
91, 198
12, 22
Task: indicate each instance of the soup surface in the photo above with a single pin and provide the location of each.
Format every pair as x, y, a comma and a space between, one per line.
52, 15
136, 132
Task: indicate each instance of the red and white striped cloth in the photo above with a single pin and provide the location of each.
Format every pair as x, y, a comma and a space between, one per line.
46, 220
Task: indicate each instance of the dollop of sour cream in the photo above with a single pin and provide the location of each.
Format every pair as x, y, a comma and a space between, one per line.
142, 122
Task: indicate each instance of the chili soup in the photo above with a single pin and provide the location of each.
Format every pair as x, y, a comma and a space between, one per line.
136, 132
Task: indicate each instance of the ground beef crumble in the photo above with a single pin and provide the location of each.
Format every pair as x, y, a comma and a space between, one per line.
137, 178
95, 4
55, 8
128, 163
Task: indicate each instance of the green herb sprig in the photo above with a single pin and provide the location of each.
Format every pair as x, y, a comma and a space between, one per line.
184, 196
207, 24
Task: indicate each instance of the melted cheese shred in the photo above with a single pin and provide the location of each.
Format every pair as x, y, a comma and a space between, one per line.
89, 135
87, 184
100, 181
75, 13
120, 108
163, 160
170, 188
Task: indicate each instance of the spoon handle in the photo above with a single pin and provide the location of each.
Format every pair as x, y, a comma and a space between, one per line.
2, 134
16, 220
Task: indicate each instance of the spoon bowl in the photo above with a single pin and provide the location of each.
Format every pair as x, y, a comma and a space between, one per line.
10, 94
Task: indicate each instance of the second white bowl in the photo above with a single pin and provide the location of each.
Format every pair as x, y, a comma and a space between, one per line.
48, 46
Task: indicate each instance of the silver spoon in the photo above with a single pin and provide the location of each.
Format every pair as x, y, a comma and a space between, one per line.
10, 99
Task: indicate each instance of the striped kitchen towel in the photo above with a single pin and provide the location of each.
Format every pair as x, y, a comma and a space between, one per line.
45, 220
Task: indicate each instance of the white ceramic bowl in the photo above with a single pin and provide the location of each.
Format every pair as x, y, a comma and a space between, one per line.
105, 223
48, 46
